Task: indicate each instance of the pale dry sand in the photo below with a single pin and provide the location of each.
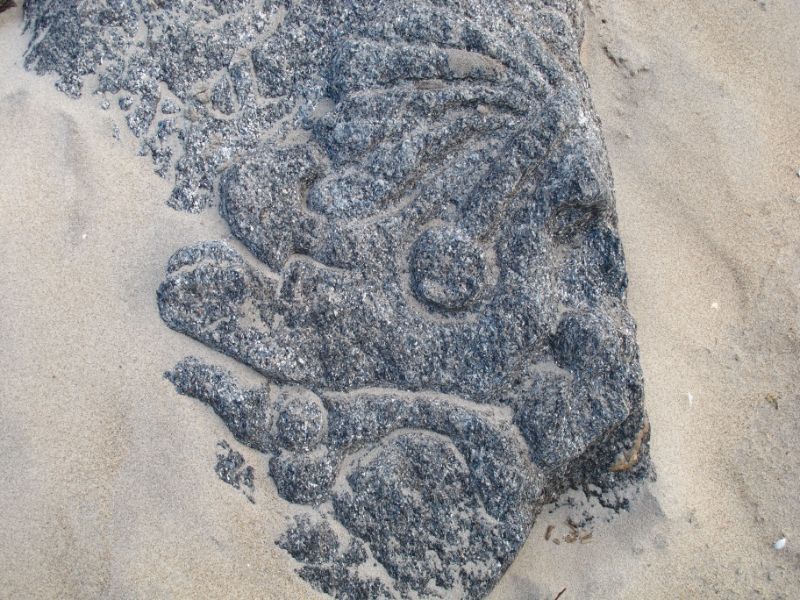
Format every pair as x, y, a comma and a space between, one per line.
107, 481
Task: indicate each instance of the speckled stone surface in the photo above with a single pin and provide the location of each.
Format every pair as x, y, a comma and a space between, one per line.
427, 270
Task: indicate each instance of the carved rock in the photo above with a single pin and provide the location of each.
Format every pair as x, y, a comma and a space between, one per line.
433, 287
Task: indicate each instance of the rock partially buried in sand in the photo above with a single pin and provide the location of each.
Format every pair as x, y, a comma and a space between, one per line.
436, 292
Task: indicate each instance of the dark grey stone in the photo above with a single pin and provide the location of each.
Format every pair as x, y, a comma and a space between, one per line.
168, 107
310, 542
245, 412
301, 422
431, 281
231, 469
222, 96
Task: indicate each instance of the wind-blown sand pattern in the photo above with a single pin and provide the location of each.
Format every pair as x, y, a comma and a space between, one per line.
438, 302
110, 486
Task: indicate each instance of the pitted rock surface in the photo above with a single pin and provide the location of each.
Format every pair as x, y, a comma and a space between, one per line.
426, 271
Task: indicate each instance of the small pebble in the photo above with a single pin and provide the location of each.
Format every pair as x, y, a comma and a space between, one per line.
780, 544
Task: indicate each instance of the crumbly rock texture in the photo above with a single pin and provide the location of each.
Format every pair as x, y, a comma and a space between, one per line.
426, 272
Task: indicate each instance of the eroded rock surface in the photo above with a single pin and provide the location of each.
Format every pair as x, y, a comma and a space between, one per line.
427, 271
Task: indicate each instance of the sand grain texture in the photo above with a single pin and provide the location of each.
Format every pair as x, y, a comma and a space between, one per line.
108, 474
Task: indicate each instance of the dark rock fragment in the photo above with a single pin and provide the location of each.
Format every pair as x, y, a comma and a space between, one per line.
245, 412
232, 470
309, 541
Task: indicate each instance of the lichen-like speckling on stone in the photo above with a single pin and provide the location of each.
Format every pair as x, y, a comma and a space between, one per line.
433, 287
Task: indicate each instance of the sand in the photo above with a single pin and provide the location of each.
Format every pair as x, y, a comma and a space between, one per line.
108, 483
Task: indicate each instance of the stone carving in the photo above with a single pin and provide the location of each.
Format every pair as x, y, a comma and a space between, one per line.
426, 269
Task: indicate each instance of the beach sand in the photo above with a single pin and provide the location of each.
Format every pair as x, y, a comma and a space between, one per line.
108, 482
